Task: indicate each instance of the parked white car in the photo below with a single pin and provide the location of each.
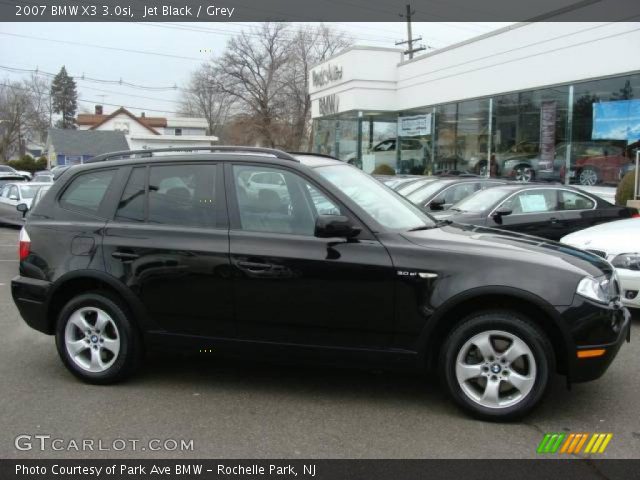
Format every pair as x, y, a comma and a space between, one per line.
619, 243
12, 195
412, 154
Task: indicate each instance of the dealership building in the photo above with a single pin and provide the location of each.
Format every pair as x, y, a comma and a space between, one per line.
543, 101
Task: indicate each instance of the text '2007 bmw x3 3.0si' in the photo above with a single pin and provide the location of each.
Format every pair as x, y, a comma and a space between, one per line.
259, 252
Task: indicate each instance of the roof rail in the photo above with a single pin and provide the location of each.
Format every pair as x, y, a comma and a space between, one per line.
312, 154
220, 148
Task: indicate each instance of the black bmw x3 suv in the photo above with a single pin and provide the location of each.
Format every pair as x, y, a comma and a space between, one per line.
258, 252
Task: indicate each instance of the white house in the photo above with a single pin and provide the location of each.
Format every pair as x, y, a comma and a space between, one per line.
149, 132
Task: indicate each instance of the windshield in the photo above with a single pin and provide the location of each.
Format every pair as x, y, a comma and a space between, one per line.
386, 207
28, 191
482, 200
413, 186
419, 196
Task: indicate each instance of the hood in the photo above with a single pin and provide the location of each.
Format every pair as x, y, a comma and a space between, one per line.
622, 236
509, 246
465, 217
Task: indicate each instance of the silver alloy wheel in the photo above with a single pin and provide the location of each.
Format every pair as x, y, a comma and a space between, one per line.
92, 339
496, 369
588, 177
523, 174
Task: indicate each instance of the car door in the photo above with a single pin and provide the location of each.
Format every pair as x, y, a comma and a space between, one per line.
9, 204
292, 287
4, 192
534, 212
168, 241
582, 211
385, 153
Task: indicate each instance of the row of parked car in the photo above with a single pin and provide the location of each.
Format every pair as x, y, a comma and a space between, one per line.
552, 211
19, 191
592, 163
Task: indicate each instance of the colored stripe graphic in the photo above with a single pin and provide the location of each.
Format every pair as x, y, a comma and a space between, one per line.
572, 443
551, 442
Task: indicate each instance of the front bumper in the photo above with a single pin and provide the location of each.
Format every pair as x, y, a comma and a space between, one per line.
598, 332
630, 286
31, 297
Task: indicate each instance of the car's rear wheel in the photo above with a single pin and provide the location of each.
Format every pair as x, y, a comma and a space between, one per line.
496, 365
589, 176
96, 339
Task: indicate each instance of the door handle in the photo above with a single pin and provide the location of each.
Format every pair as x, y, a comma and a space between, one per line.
255, 266
554, 220
125, 256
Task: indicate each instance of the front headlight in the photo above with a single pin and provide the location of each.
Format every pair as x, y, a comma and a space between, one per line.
630, 261
597, 289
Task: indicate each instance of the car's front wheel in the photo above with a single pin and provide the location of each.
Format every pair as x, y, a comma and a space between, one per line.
496, 365
96, 339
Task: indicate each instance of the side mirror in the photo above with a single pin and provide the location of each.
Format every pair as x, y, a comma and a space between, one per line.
22, 207
437, 204
501, 212
332, 226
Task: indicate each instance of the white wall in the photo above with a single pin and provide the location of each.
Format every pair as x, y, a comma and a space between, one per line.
522, 57
145, 141
121, 119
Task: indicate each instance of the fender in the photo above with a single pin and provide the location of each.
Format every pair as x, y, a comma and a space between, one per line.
441, 312
128, 296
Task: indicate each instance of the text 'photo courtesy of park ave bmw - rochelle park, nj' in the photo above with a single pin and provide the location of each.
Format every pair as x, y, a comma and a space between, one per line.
331, 239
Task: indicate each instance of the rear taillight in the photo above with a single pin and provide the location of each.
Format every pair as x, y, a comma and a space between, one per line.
25, 244
635, 215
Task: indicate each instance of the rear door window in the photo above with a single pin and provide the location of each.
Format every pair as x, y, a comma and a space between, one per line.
87, 191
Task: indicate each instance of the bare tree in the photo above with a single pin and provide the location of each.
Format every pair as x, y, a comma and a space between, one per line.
204, 98
250, 71
40, 107
309, 47
14, 108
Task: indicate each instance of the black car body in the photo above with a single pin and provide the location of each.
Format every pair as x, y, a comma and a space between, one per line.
548, 211
178, 252
443, 194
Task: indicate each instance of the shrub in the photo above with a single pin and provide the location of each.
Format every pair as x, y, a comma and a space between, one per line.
625, 188
383, 169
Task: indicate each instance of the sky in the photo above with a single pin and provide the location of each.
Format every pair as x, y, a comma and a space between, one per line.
157, 57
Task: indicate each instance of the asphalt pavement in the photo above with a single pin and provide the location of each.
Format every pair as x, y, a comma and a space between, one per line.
233, 409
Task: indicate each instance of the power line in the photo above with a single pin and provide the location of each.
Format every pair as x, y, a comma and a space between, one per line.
94, 102
90, 79
68, 42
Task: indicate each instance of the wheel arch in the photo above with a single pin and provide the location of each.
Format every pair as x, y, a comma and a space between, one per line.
81, 281
456, 309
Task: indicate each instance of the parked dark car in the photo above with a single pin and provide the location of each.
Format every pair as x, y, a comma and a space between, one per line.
548, 211
173, 252
398, 181
444, 193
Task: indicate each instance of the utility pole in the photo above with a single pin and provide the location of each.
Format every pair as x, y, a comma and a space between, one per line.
410, 40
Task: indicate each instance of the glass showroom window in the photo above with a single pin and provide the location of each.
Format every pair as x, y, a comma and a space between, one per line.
529, 135
324, 136
462, 135
415, 137
379, 141
606, 130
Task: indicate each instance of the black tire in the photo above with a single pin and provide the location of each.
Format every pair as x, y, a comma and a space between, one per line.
515, 324
130, 347
525, 168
